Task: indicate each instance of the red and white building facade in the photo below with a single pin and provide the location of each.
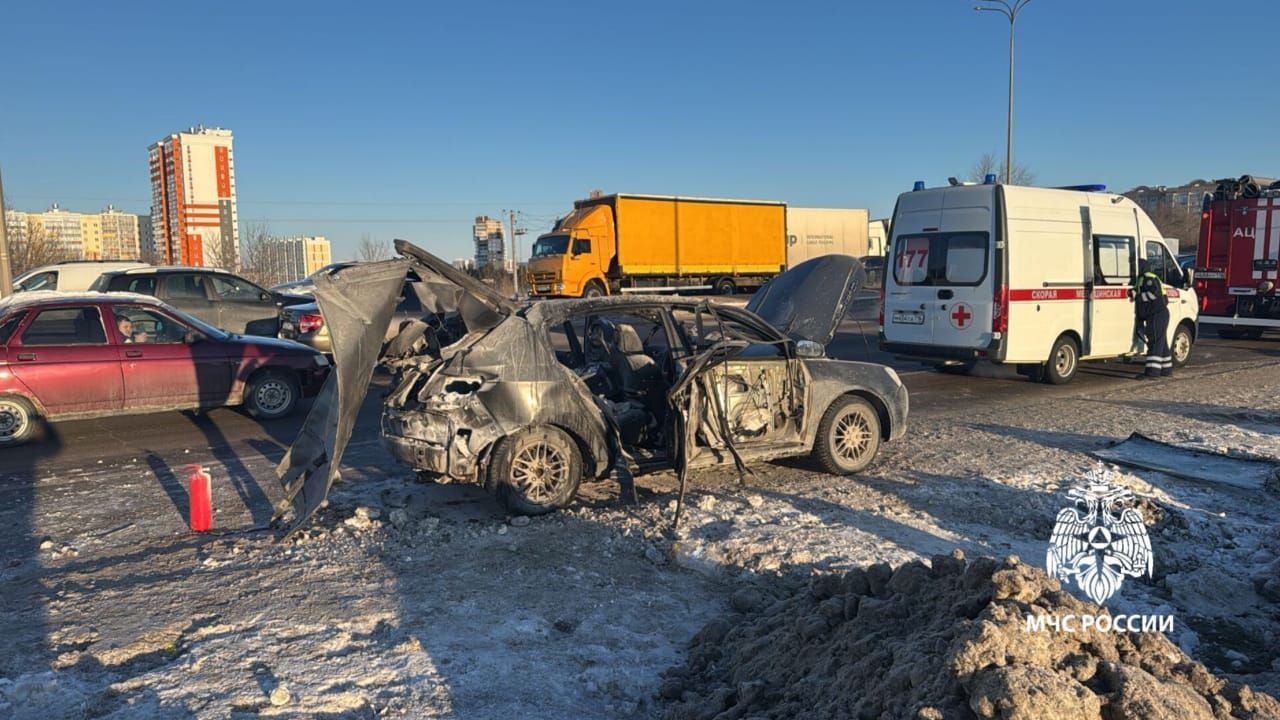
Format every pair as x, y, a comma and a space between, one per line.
193, 199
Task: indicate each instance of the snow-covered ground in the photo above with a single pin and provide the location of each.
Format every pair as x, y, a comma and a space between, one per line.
411, 600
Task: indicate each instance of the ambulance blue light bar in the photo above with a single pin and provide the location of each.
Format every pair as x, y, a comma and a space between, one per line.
918, 186
1083, 188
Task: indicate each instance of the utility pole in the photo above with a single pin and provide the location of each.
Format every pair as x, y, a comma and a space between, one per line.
1009, 9
515, 232
6, 272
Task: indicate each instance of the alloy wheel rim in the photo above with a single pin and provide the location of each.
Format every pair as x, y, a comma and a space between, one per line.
852, 434
540, 471
272, 396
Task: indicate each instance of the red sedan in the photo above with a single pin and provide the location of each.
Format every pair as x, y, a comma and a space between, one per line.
75, 356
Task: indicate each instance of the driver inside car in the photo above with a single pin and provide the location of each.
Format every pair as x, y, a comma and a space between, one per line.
125, 325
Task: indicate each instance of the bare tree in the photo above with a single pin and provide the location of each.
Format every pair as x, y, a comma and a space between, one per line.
370, 250
223, 253
258, 263
988, 164
36, 247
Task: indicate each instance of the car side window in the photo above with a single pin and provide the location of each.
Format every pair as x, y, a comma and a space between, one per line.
41, 281
138, 325
185, 286
9, 325
1112, 260
141, 284
234, 289
66, 326
1159, 262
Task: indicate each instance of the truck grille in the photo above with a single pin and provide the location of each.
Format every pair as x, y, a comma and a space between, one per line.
543, 277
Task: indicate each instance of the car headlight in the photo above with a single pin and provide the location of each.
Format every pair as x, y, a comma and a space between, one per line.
559, 287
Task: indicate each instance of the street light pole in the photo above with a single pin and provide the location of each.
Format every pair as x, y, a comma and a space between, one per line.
6, 277
1009, 9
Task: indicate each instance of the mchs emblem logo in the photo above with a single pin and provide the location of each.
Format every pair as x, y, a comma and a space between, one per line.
1097, 542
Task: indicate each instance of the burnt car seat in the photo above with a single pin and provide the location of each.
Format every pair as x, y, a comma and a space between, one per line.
640, 375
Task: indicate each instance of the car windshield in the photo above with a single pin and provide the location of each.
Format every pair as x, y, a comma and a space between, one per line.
551, 245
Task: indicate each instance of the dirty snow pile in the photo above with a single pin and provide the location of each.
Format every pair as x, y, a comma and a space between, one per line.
937, 641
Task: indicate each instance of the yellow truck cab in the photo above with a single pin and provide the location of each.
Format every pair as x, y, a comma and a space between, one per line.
572, 259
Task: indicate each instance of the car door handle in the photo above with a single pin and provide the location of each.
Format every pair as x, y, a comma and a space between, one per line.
945, 294
26, 356
133, 353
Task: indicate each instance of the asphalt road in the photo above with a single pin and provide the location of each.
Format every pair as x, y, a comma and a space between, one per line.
188, 437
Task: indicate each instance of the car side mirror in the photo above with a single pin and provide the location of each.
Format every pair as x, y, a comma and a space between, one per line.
809, 349
265, 296
1188, 277
192, 337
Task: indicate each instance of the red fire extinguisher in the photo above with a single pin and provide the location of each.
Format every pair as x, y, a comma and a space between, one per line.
200, 494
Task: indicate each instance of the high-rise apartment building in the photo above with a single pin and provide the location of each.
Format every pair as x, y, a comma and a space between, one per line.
292, 258
193, 198
490, 242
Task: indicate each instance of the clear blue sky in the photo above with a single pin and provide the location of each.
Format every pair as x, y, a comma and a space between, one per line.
407, 120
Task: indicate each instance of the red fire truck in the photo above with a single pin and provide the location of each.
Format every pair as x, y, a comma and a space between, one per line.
1236, 262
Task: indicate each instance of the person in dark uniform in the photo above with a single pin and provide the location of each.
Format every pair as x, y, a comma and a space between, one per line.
1151, 306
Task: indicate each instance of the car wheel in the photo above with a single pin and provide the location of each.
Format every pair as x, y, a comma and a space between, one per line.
1253, 333
1227, 333
535, 471
848, 436
725, 286
593, 290
17, 421
1180, 348
1064, 360
271, 394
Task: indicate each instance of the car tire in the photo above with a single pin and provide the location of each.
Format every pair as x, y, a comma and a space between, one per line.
848, 437
725, 286
593, 290
17, 421
1230, 333
271, 394
535, 471
1064, 361
1180, 348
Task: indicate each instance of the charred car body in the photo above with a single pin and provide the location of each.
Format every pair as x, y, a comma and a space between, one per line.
530, 399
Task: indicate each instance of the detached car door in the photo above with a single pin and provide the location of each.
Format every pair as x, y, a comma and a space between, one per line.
63, 356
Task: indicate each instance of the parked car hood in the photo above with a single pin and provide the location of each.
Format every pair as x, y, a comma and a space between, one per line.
279, 345
357, 303
808, 301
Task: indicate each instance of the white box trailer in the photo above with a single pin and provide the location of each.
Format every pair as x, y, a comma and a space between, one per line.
812, 232
877, 236
1036, 277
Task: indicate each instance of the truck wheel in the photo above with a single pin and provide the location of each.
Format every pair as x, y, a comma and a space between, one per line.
1229, 333
271, 394
535, 471
17, 421
1064, 360
725, 286
848, 436
1180, 348
593, 290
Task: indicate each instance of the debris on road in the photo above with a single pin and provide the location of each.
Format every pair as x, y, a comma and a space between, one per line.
944, 640
1142, 452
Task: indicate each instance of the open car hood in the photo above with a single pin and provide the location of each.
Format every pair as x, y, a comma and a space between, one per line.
808, 301
357, 303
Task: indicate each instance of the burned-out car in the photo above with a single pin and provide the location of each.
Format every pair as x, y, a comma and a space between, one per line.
530, 399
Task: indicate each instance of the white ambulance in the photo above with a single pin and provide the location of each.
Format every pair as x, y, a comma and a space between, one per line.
1034, 277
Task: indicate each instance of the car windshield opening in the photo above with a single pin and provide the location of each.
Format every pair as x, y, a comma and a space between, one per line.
551, 245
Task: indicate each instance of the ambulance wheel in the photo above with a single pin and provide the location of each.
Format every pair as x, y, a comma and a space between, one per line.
1064, 360
535, 472
848, 436
593, 290
1180, 348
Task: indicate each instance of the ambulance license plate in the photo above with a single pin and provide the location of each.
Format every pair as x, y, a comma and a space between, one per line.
908, 317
